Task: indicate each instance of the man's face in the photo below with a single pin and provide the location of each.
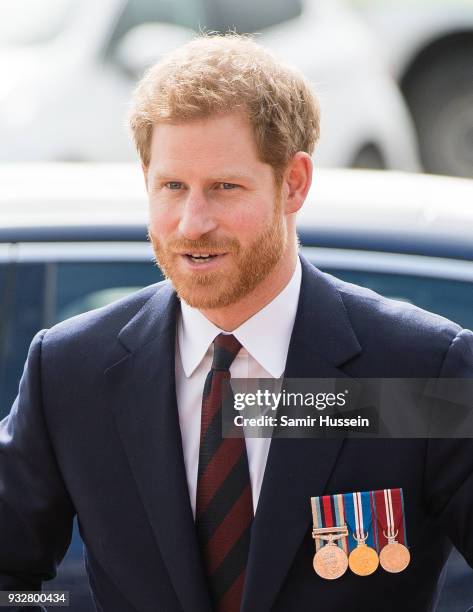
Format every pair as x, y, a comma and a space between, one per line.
210, 195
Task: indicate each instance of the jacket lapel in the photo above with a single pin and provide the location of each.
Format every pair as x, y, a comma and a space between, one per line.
296, 469
145, 406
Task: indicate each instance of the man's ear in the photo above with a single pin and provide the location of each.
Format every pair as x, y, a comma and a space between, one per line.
297, 181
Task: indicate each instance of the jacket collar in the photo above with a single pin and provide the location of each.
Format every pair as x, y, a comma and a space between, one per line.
321, 326
267, 344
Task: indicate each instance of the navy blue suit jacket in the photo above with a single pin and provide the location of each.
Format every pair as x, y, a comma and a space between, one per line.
95, 431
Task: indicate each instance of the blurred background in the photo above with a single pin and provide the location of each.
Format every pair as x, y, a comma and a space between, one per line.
395, 82
394, 76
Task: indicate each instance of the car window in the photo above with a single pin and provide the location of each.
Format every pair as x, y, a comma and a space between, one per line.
220, 15
250, 16
450, 298
178, 12
24, 300
5, 310
82, 286
45, 294
4, 298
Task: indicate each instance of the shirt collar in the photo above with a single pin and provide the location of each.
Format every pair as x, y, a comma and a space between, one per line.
266, 335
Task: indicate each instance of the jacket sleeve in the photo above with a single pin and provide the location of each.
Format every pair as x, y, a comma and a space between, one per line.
448, 482
36, 512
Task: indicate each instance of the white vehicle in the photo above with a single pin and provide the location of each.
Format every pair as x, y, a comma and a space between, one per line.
67, 69
429, 44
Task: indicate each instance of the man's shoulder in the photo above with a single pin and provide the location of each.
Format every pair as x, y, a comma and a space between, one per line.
415, 339
367, 311
363, 303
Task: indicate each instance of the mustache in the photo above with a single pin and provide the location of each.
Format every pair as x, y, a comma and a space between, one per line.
184, 244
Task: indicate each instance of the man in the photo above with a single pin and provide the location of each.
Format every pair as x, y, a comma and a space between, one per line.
118, 414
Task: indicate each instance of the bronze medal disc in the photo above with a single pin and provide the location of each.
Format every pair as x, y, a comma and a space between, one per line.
394, 557
363, 560
330, 562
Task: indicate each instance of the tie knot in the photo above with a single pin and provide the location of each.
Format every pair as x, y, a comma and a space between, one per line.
226, 348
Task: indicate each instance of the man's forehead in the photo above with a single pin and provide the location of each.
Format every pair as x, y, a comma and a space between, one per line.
215, 149
238, 118
223, 134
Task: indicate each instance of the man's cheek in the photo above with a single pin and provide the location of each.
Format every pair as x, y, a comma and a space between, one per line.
163, 228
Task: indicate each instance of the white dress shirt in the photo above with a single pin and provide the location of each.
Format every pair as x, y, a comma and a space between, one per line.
265, 342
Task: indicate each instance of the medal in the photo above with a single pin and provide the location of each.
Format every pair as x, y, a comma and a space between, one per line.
363, 559
330, 561
330, 535
394, 556
350, 528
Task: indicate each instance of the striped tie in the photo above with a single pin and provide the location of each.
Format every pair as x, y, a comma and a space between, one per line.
224, 508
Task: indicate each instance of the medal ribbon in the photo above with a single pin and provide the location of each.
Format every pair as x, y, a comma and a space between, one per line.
389, 509
359, 516
328, 511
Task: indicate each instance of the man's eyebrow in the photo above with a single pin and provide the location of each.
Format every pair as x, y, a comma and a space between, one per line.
232, 177
227, 177
158, 176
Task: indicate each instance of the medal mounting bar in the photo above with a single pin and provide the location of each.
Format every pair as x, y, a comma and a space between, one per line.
339, 531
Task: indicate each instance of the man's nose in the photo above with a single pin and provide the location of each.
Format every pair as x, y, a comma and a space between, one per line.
196, 217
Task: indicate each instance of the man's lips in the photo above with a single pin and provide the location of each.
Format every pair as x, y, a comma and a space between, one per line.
202, 253
203, 259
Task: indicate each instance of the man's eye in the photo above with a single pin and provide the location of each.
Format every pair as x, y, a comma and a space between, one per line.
174, 185
227, 186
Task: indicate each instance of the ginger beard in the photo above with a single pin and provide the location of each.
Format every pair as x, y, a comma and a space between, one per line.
244, 269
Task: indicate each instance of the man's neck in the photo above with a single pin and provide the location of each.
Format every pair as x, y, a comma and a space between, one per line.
230, 317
